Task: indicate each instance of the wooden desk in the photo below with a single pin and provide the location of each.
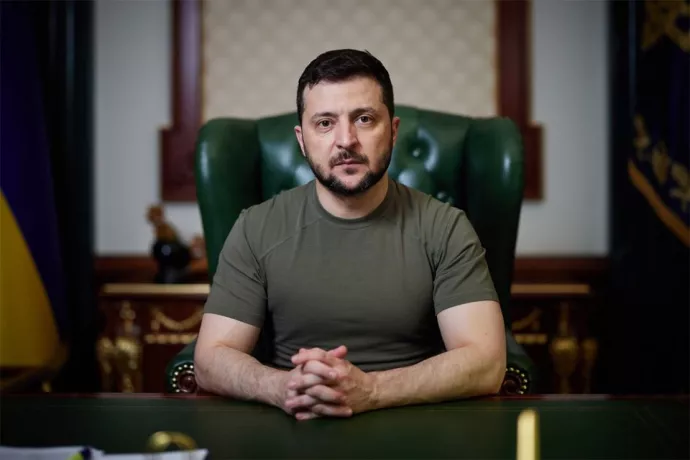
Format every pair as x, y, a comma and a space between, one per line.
569, 427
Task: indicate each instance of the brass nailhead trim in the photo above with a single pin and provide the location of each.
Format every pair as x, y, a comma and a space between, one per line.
178, 368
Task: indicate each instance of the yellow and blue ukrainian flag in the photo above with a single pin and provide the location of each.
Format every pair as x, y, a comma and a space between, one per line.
32, 302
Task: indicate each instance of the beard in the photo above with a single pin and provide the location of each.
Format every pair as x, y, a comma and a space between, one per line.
336, 186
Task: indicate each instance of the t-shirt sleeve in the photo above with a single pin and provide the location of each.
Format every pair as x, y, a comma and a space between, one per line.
238, 289
462, 274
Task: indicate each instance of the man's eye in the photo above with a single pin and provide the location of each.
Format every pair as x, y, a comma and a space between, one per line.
324, 123
365, 119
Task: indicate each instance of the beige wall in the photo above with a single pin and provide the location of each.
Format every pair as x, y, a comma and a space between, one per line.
132, 102
441, 57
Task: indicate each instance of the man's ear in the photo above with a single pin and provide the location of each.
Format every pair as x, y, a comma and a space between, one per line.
395, 124
300, 139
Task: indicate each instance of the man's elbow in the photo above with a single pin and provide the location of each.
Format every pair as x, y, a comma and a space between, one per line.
495, 373
202, 368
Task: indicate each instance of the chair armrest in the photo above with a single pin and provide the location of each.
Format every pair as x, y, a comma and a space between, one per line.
179, 373
519, 379
520, 370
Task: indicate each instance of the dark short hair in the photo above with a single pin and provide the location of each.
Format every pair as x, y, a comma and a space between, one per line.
341, 65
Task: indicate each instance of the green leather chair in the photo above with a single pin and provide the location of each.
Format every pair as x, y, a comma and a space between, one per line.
474, 164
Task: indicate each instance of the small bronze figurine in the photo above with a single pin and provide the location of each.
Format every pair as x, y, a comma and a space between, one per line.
172, 255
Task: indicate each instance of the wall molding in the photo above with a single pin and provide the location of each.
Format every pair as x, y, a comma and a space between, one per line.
515, 85
177, 142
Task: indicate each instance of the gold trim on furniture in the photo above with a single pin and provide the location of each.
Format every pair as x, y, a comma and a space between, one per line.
532, 319
105, 352
173, 325
128, 316
128, 363
204, 289
169, 339
564, 349
515, 382
156, 289
531, 339
551, 288
120, 358
183, 379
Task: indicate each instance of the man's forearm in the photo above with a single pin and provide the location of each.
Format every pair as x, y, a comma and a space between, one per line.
231, 373
458, 373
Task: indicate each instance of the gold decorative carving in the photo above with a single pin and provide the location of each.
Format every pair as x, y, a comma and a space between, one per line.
160, 318
128, 316
532, 319
127, 361
531, 339
564, 350
169, 339
123, 356
105, 351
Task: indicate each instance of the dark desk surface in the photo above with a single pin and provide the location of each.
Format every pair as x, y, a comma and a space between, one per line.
575, 427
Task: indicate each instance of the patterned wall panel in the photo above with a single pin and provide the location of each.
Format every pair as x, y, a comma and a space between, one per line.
441, 54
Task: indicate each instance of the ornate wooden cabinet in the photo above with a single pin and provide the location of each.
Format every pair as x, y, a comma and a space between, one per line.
556, 324
146, 325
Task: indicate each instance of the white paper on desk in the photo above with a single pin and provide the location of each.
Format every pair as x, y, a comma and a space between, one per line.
199, 454
45, 453
65, 453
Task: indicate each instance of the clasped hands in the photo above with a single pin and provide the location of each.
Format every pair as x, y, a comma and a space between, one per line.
324, 383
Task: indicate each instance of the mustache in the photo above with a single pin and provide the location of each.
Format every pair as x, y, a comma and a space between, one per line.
347, 155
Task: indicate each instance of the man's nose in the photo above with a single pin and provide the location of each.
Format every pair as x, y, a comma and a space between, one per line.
346, 135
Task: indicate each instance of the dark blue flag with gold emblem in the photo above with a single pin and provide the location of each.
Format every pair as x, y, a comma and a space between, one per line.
658, 167
647, 326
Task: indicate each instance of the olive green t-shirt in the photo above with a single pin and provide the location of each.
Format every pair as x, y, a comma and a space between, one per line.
374, 284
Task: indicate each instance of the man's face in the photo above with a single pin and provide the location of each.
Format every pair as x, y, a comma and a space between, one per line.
347, 135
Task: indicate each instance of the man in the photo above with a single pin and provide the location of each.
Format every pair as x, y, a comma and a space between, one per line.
379, 295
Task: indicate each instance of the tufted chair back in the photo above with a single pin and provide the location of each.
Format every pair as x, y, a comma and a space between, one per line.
474, 164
